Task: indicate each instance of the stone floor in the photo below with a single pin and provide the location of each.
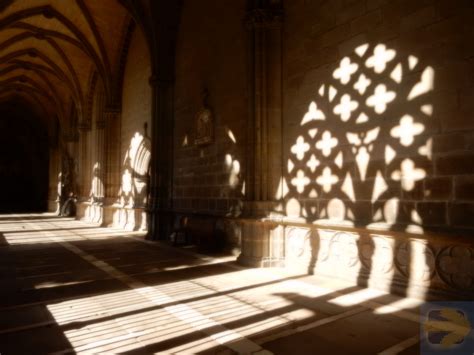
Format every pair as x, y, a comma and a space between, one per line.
71, 287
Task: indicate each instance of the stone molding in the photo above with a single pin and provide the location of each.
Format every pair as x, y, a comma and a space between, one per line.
71, 137
160, 83
84, 126
264, 122
264, 18
101, 124
421, 266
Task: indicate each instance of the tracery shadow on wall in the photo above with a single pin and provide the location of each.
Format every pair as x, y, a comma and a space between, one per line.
364, 143
96, 194
359, 158
135, 173
215, 172
93, 212
216, 175
234, 176
66, 179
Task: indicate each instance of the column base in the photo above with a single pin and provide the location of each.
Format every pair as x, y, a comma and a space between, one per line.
114, 215
53, 206
125, 217
90, 212
260, 262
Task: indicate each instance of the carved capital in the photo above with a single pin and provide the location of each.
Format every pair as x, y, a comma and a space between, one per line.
156, 82
100, 124
111, 113
264, 18
112, 108
71, 137
84, 126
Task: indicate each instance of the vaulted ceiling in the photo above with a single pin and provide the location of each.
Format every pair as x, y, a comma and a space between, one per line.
52, 53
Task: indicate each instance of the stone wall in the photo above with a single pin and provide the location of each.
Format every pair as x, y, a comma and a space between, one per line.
54, 185
378, 113
211, 54
399, 163
378, 131
90, 207
135, 136
365, 108
377, 138
427, 266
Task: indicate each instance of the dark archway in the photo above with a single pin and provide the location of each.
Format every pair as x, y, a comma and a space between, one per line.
24, 159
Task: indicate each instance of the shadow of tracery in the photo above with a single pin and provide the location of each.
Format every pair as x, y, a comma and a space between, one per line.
364, 143
359, 159
133, 192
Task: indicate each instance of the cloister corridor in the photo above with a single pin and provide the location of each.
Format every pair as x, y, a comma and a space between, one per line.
237, 177
71, 287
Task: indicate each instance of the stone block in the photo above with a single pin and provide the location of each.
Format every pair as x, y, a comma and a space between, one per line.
450, 8
416, 193
203, 204
221, 205
333, 36
438, 188
350, 11
455, 164
432, 213
461, 215
376, 4
445, 102
366, 22
464, 188
362, 211
418, 19
448, 142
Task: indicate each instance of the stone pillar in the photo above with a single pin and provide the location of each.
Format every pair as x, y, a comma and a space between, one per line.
112, 178
98, 175
262, 243
264, 23
69, 162
83, 168
161, 165
55, 180
99, 182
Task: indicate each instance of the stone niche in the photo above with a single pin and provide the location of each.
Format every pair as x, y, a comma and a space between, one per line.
422, 266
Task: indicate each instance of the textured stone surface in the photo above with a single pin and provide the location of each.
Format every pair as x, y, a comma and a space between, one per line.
211, 55
421, 30
425, 265
341, 145
71, 286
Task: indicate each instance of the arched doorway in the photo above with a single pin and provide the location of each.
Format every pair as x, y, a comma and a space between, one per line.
23, 159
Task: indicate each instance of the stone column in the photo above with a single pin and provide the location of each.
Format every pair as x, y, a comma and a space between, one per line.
55, 178
112, 176
100, 157
262, 242
161, 165
264, 23
69, 161
83, 168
